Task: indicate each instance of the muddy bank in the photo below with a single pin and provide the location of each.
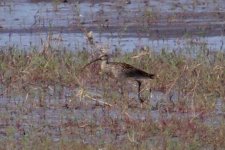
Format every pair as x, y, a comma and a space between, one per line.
144, 18
153, 31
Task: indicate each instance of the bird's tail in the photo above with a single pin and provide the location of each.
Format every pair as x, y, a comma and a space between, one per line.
152, 76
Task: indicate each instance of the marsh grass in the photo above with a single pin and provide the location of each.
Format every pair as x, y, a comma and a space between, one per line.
193, 83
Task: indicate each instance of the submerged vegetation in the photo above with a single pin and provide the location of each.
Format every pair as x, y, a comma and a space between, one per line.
52, 80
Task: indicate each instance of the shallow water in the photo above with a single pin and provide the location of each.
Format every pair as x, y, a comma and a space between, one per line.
77, 41
116, 24
54, 119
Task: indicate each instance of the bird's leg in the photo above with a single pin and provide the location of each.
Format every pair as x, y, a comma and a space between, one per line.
150, 92
104, 79
121, 88
139, 91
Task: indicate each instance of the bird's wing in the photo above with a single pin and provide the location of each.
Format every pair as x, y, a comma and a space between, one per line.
131, 71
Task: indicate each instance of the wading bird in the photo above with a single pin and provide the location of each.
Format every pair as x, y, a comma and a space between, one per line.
122, 71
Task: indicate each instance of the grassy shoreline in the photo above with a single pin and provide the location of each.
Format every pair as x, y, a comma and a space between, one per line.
198, 81
203, 73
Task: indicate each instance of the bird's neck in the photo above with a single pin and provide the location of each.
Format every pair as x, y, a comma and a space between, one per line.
104, 64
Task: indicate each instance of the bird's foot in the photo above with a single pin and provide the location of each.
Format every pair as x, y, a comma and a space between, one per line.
141, 100
121, 92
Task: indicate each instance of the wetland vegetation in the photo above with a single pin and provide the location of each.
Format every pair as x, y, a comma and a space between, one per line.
50, 82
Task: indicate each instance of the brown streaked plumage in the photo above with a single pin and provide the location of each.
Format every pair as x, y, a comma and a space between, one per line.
123, 71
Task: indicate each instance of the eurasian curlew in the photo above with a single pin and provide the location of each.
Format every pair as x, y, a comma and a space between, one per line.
123, 71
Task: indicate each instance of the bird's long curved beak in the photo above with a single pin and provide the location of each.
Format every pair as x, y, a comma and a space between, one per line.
90, 63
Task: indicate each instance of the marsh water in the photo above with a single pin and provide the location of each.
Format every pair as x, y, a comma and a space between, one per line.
61, 115
117, 25
124, 25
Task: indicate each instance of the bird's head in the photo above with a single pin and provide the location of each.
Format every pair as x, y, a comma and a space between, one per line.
102, 57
